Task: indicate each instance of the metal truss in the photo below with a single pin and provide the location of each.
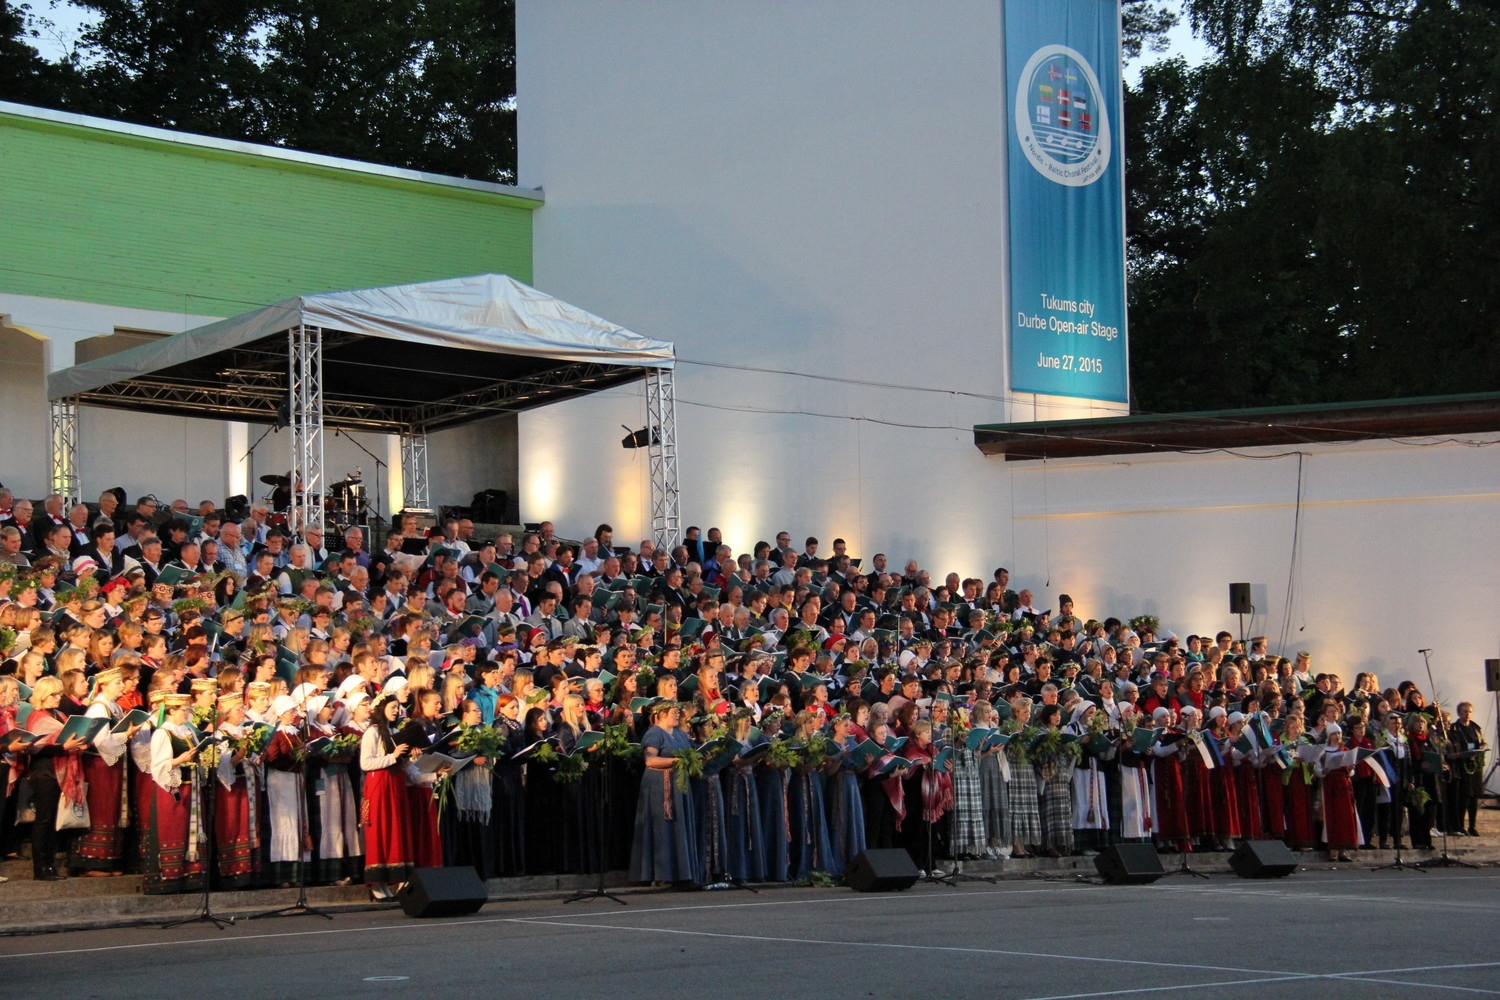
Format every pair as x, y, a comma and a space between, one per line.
65, 449
305, 385
415, 496
661, 426
533, 390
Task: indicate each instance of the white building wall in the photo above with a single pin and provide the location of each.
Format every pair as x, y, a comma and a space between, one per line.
817, 188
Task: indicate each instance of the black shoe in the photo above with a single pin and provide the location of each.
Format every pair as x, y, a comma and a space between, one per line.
51, 875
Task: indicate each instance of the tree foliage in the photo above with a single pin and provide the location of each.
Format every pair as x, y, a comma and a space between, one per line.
426, 84
1312, 213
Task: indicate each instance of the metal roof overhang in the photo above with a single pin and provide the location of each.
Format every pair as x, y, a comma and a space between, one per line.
406, 358
368, 384
1427, 416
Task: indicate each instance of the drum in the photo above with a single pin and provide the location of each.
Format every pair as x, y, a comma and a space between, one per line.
276, 519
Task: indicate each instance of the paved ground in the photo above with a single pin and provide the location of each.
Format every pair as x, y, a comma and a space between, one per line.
1354, 934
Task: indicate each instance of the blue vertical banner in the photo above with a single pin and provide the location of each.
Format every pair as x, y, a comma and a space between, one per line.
1066, 199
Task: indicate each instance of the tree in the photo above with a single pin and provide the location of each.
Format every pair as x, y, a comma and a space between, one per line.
174, 65
1311, 214
25, 77
428, 85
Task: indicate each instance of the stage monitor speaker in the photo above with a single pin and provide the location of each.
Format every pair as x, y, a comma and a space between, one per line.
237, 507
1492, 675
1239, 599
442, 892
1130, 864
881, 870
1263, 859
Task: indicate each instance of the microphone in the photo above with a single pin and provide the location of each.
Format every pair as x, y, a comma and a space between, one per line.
1424, 650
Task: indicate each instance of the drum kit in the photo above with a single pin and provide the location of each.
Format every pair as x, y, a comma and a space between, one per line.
343, 505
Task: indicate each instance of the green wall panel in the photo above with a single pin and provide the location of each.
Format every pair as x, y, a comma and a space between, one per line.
97, 216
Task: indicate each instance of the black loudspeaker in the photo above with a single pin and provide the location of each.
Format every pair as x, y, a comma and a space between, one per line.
237, 507
1492, 675
1130, 864
1239, 599
1262, 859
442, 892
881, 870
489, 506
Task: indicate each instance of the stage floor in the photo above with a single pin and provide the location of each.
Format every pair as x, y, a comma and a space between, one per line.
1354, 933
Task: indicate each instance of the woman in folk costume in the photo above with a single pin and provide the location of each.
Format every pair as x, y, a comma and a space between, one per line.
744, 853
1366, 787
390, 849
467, 837
966, 830
1090, 787
1340, 821
1137, 797
1388, 801
846, 815
1297, 790
1269, 770
1166, 780
55, 771
1024, 798
339, 846
581, 799
771, 783
174, 822
290, 844
664, 848
807, 819
507, 796
1054, 768
928, 792
707, 793
994, 774
881, 795
1197, 795
1246, 787
101, 849
1223, 783
237, 849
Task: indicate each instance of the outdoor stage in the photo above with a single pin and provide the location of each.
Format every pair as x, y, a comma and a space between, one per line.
1316, 935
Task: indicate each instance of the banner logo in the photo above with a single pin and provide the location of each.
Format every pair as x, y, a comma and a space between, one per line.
1060, 117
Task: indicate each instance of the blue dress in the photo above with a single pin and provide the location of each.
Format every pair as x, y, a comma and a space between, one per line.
665, 845
708, 814
846, 815
771, 789
808, 822
742, 830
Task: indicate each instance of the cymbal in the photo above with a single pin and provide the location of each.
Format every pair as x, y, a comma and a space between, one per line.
270, 479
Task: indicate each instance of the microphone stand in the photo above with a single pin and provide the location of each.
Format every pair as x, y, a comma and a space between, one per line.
300, 907
1443, 860
1398, 807
379, 480
206, 913
601, 841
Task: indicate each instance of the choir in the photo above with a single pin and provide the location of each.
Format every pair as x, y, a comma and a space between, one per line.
694, 726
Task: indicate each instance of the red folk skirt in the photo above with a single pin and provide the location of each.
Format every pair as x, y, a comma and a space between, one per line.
390, 850
235, 856
1224, 800
422, 807
1340, 820
1196, 795
165, 843
1298, 805
1248, 790
101, 848
1171, 809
